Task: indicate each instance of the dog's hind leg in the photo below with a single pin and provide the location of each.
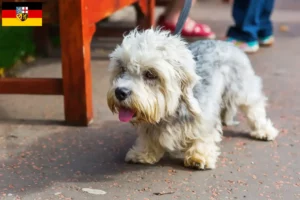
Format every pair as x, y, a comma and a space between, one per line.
261, 126
253, 105
228, 114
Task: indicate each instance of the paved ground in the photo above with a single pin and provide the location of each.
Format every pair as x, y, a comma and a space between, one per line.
40, 158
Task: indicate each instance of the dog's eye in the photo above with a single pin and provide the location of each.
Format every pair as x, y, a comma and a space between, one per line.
123, 69
150, 75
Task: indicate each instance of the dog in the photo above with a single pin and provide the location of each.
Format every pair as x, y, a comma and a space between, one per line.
178, 95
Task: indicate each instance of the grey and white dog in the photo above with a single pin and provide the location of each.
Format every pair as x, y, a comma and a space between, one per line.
178, 95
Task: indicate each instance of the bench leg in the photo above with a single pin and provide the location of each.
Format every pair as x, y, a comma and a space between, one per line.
76, 33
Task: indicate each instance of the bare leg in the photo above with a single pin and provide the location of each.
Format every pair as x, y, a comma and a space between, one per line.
191, 28
173, 10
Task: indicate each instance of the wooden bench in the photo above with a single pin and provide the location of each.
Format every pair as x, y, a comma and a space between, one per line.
77, 25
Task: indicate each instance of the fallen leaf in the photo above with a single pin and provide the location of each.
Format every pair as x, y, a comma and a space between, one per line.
284, 131
172, 171
163, 193
284, 28
94, 191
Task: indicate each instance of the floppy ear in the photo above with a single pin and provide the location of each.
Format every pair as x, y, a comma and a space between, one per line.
188, 80
176, 53
185, 71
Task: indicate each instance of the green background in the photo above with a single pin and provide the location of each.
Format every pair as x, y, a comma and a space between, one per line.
15, 44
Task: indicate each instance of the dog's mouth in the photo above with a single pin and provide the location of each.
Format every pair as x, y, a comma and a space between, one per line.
126, 114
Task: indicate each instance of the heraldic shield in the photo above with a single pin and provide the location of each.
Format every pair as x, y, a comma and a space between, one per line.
22, 13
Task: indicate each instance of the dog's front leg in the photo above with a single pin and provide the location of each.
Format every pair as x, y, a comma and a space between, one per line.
145, 150
202, 155
203, 152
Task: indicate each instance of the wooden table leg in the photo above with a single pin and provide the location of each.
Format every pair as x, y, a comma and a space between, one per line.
76, 33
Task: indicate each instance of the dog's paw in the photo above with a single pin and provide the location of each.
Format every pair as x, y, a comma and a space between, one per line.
264, 135
133, 156
199, 161
268, 133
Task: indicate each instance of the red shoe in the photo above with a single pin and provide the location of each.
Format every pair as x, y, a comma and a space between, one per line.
197, 30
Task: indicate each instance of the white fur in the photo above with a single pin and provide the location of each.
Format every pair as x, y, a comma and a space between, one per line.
179, 111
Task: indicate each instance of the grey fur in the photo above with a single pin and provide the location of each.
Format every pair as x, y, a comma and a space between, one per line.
211, 56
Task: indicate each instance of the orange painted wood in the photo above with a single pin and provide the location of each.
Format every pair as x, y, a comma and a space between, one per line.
76, 33
100, 9
45, 86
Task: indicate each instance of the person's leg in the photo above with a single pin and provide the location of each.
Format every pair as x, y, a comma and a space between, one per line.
246, 15
191, 28
173, 10
265, 32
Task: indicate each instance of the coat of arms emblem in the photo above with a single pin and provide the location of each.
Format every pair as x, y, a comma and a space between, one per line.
22, 13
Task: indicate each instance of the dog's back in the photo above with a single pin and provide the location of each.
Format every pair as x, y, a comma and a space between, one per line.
226, 74
220, 61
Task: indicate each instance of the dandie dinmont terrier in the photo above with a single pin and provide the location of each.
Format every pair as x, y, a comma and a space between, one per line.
178, 95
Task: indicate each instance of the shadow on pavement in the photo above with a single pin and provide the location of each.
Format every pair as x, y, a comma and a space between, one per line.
76, 155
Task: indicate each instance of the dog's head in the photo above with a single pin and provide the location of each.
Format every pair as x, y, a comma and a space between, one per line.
151, 72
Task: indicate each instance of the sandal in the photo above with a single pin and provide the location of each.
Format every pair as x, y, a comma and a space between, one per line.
190, 29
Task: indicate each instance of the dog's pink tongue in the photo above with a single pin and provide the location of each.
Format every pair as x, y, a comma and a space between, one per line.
125, 115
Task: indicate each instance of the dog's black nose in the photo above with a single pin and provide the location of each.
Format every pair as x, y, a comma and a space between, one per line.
122, 93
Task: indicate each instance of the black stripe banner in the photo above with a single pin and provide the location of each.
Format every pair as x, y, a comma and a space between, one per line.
30, 5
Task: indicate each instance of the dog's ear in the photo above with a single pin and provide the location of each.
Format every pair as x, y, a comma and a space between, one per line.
188, 80
185, 72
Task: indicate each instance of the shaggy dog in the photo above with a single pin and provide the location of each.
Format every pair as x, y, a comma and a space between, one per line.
178, 95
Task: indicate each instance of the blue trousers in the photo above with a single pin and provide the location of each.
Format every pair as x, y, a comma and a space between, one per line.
252, 19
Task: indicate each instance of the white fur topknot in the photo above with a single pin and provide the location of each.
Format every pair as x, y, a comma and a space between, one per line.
181, 93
